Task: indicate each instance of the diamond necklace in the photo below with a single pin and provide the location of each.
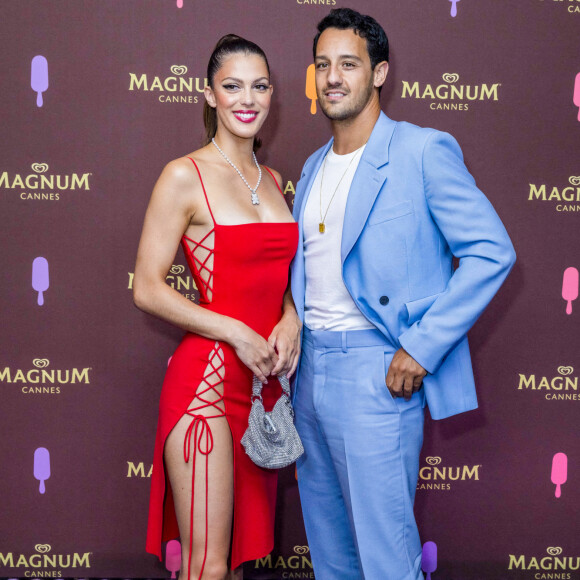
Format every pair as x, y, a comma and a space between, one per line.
255, 198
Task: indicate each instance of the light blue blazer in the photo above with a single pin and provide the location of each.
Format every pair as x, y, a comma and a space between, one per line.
412, 206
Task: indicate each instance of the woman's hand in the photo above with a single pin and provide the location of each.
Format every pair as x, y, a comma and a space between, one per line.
254, 351
285, 338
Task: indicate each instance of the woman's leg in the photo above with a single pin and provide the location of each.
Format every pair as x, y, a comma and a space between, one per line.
210, 551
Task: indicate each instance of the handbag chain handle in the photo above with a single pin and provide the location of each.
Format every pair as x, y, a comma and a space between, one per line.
257, 387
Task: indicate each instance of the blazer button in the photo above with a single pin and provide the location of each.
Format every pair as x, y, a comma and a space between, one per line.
384, 300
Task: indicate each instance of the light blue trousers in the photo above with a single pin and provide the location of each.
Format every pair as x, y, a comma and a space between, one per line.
358, 475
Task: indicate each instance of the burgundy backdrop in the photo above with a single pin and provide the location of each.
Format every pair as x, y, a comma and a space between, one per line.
121, 87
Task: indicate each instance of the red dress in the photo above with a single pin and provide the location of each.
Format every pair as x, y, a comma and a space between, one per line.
246, 281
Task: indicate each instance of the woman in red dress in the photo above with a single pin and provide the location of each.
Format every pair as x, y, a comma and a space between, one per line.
231, 219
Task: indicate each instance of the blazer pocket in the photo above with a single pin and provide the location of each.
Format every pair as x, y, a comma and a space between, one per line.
416, 308
391, 212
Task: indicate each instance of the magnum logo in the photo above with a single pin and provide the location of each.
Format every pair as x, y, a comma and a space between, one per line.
44, 559
553, 563
41, 380
562, 387
573, 6
40, 185
318, 2
450, 95
292, 565
565, 198
174, 88
177, 280
435, 476
138, 469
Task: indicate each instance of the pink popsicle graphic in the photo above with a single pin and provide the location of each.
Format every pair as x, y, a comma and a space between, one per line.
429, 558
39, 77
559, 471
40, 279
180, 3
577, 94
570, 287
454, 7
41, 467
173, 557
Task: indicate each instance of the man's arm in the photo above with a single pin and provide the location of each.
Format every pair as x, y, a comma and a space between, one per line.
285, 337
476, 236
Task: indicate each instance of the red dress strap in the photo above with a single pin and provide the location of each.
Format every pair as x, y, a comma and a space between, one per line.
204, 191
275, 180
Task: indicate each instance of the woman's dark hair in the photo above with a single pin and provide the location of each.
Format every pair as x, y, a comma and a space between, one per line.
226, 46
365, 26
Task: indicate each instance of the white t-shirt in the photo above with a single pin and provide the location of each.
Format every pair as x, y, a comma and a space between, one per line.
328, 304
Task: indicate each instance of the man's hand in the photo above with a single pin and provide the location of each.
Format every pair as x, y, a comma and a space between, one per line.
285, 339
405, 375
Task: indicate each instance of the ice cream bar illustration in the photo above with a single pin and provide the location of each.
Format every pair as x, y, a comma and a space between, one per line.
570, 287
311, 88
41, 467
559, 471
39, 77
40, 280
429, 558
454, 7
577, 94
179, 5
173, 557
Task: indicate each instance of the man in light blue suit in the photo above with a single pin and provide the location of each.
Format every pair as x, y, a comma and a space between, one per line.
383, 208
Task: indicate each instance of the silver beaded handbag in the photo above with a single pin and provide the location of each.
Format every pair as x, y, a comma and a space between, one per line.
271, 440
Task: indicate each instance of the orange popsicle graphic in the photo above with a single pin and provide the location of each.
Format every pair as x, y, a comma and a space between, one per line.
311, 88
570, 287
559, 471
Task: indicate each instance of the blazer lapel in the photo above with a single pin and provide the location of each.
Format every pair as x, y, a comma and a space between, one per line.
367, 182
303, 188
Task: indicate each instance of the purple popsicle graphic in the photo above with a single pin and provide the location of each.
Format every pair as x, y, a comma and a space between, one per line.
454, 7
40, 279
570, 287
41, 467
429, 558
173, 557
39, 77
577, 94
559, 471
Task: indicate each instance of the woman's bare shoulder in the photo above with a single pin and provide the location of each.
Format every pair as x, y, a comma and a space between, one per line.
181, 174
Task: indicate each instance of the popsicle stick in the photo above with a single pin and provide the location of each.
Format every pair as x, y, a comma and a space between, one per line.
313, 107
569, 305
40, 300
42, 487
558, 490
39, 101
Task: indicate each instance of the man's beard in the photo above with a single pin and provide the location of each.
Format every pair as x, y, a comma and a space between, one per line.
350, 111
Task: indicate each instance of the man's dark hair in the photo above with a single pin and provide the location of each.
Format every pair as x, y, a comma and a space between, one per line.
365, 26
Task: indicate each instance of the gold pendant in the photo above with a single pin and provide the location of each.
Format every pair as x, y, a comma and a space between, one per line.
321, 227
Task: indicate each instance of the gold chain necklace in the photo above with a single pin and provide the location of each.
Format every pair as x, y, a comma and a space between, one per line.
321, 226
